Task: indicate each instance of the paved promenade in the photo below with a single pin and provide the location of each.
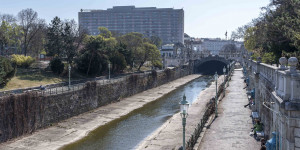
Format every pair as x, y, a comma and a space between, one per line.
77, 127
230, 131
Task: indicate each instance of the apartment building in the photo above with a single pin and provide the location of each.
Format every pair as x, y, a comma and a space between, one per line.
166, 23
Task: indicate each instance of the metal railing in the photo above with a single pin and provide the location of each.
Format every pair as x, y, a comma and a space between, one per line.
59, 88
210, 109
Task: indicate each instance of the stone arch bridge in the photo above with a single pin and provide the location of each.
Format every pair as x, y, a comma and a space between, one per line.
209, 65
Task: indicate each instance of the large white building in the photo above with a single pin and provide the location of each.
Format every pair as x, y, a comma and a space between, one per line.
213, 45
166, 23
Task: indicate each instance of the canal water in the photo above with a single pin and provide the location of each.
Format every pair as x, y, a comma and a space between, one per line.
128, 131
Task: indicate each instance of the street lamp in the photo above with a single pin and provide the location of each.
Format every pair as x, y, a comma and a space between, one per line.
224, 71
228, 75
69, 76
109, 65
216, 79
184, 106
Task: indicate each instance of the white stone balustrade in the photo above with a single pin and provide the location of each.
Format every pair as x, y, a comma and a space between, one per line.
277, 99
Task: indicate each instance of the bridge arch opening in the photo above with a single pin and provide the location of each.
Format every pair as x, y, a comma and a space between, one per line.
210, 67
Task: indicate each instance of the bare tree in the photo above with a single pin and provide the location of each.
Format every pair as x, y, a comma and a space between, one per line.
73, 37
30, 26
37, 44
8, 18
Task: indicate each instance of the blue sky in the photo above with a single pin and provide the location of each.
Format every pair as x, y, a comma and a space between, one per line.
203, 18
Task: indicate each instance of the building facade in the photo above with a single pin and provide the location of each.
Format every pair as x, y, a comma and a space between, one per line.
214, 45
166, 23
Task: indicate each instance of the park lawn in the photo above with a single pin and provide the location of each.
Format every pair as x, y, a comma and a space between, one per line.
27, 78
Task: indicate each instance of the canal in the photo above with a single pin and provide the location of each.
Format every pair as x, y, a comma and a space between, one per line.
127, 132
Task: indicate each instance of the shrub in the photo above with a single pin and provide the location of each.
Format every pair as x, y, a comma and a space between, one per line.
56, 65
269, 58
6, 71
22, 61
154, 74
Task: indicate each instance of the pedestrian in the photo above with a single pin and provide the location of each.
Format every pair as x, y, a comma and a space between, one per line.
263, 147
249, 104
257, 128
42, 87
262, 142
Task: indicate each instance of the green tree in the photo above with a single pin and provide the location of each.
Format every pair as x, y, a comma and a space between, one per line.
134, 43
122, 49
104, 32
93, 59
6, 71
150, 53
4, 36
54, 46
277, 29
64, 39
10, 34
249, 39
118, 61
69, 46
15, 38
269, 58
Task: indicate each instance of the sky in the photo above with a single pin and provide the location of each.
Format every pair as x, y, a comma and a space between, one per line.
203, 18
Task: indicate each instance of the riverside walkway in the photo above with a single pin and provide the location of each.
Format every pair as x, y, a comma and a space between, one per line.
169, 135
230, 130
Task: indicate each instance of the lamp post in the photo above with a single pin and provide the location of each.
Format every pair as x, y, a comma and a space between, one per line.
227, 75
184, 106
216, 79
224, 71
109, 65
69, 77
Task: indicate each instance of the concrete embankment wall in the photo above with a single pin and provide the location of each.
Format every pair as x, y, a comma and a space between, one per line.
24, 113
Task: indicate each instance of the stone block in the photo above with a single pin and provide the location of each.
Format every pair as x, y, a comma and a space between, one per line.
297, 141
290, 145
292, 106
297, 132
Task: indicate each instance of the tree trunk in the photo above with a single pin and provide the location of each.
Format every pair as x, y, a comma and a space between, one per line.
141, 64
87, 73
1, 49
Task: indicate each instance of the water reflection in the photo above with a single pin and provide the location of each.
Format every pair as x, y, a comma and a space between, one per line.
125, 133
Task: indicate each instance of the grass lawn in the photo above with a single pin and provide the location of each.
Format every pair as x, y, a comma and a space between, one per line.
35, 77
30, 78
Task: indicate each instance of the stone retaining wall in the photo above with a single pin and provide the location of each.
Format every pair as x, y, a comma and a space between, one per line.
24, 113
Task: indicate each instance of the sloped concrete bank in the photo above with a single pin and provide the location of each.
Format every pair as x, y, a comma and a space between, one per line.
75, 128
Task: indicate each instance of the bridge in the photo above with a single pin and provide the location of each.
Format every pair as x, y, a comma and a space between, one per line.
210, 64
207, 65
